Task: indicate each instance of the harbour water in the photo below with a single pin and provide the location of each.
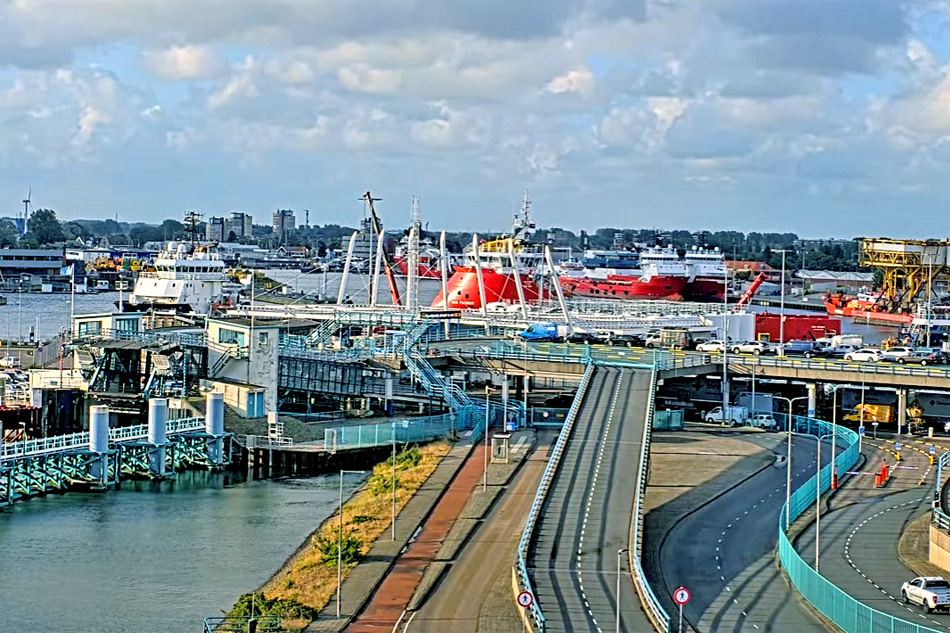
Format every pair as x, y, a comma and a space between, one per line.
151, 557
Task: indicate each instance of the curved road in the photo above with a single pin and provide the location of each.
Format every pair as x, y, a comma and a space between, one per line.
587, 516
725, 553
862, 527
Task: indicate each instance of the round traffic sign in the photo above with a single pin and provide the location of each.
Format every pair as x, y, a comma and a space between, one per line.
525, 599
681, 596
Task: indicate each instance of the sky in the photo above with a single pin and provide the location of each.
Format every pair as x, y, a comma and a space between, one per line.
821, 117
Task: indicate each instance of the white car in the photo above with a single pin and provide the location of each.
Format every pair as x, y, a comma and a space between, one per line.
763, 421
930, 592
13, 362
864, 355
894, 354
750, 347
711, 347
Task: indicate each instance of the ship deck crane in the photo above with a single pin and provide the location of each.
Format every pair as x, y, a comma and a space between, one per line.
750, 292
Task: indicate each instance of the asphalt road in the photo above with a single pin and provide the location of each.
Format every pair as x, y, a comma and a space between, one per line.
586, 519
725, 554
468, 599
860, 534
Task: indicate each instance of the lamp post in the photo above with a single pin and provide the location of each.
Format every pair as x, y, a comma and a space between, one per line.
818, 498
394, 481
725, 344
788, 458
339, 548
781, 312
619, 554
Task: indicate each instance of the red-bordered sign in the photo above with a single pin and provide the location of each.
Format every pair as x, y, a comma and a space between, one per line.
525, 599
681, 596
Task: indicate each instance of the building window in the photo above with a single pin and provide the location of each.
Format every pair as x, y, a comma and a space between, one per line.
89, 328
231, 337
126, 325
262, 338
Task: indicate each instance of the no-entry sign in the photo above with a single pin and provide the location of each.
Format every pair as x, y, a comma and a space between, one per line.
525, 599
681, 596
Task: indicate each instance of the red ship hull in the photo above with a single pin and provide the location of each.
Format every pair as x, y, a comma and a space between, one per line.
626, 287
703, 290
499, 287
865, 311
425, 270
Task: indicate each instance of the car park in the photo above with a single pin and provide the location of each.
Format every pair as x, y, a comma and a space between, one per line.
750, 347
932, 593
894, 354
864, 355
711, 347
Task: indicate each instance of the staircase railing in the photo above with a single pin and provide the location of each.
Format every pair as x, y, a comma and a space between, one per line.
433, 382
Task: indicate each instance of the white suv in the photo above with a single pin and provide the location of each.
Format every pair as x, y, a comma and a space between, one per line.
711, 346
864, 355
750, 347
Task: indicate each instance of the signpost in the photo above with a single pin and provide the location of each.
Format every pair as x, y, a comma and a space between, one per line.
525, 600
681, 597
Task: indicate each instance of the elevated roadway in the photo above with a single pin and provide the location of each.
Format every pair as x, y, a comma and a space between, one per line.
588, 513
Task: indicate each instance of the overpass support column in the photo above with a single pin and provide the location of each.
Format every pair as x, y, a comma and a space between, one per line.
388, 398
902, 410
812, 399
214, 426
157, 425
99, 443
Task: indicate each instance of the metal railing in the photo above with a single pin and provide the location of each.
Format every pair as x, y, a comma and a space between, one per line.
191, 338
80, 441
241, 624
403, 431
881, 368
846, 613
939, 516
547, 479
657, 614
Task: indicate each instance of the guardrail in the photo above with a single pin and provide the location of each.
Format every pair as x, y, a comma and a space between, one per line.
881, 368
846, 613
939, 516
655, 611
241, 624
546, 478
80, 441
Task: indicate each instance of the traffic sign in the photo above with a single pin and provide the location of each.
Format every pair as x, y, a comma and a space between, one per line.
681, 596
525, 599
860, 430
933, 449
898, 446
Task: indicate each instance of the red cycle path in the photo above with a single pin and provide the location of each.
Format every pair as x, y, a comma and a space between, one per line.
394, 593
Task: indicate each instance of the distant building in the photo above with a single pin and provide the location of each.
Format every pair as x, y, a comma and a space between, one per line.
241, 224
15, 261
283, 223
214, 230
364, 249
829, 280
754, 268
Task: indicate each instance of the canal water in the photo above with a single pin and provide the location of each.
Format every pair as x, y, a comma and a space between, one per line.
150, 557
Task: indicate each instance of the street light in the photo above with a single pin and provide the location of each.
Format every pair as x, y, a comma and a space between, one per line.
725, 345
619, 554
339, 548
781, 317
394, 480
818, 497
788, 458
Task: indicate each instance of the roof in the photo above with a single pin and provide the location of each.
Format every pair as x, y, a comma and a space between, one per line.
753, 266
833, 275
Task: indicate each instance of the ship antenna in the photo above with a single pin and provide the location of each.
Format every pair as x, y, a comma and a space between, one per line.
192, 220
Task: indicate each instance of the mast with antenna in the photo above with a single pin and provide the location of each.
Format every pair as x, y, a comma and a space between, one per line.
192, 220
412, 270
27, 203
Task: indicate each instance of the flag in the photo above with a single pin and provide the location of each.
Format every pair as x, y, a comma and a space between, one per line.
67, 270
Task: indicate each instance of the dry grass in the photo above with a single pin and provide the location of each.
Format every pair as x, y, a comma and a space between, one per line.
305, 578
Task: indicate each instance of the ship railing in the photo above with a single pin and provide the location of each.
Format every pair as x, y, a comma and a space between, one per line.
80, 441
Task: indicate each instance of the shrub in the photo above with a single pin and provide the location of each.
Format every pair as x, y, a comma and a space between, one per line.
329, 547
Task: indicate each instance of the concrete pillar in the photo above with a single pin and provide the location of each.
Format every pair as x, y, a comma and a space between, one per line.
157, 425
812, 398
99, 442
214, 426
902, 410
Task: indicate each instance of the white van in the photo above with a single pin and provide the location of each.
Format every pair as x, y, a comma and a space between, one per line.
734, 415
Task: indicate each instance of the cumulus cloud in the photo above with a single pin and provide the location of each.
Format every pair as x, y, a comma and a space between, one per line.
185, 62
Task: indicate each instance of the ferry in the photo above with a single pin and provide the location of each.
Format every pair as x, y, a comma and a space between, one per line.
663, 275
187, 278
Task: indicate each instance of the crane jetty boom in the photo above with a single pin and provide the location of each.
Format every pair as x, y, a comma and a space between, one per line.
387, 265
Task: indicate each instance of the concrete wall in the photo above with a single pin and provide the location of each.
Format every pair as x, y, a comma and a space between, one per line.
260, 368
939, 548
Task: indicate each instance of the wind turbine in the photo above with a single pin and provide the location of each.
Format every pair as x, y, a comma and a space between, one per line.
26, 210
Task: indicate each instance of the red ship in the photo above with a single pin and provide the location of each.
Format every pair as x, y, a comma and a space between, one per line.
503, 262
663, 276
865, 308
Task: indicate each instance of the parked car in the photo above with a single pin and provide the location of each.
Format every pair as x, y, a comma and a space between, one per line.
864, 355
894, 354
12, 362
836, 351
711, 347
750, 347
627, 340
920, 357
763, 421
807, 349
584, 337
930, 592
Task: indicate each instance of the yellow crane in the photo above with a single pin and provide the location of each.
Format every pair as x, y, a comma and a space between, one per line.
909, 267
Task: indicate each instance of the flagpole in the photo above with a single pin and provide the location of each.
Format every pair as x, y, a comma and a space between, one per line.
72, 295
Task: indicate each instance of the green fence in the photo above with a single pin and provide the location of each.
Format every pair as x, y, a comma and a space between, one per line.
845, 612
669, 420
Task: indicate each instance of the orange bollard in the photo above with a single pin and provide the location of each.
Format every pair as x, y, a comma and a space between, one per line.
834, 479
877, 480
884, 471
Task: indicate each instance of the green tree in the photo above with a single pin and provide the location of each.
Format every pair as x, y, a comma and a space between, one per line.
45, 227
8, 233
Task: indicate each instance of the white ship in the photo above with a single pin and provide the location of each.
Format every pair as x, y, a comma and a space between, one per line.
187, 278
